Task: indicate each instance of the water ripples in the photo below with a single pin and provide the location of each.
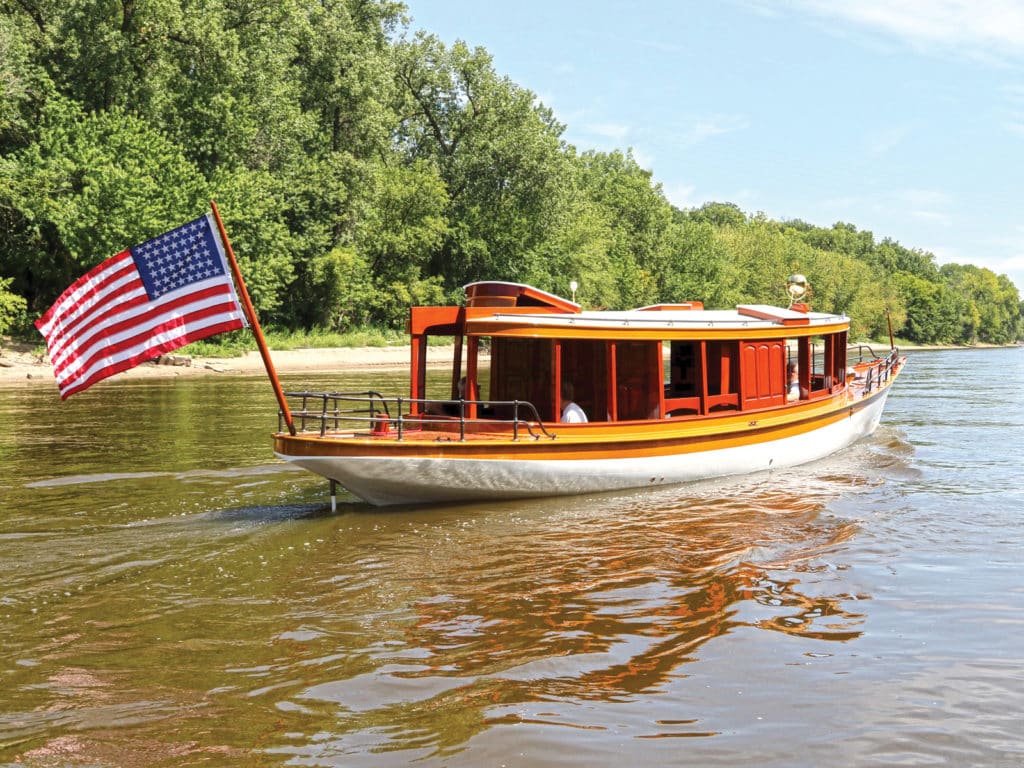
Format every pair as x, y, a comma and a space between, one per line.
190, 604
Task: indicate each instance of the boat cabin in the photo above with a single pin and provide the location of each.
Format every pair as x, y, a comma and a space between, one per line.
664, 361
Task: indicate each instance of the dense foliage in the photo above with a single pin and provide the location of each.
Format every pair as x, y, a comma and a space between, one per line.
361, 167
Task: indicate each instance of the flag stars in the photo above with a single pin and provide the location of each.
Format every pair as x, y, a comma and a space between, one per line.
178, 259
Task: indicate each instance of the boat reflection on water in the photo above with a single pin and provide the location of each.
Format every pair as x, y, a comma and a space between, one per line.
529, 610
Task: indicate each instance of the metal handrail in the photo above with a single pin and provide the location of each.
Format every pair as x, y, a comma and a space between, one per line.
859, 348
373, 409
880, 372
330, 410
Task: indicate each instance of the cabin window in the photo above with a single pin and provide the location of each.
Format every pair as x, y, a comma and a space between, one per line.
638, 369
722, 376
523, 369
794, 357
822, 364
585, 364
839, 359
440, 370
829, 363
820, 369
684, 374
684, 378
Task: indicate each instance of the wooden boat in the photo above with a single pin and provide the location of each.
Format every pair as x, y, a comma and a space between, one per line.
673, 393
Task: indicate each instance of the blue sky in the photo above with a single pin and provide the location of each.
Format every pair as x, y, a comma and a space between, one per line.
902, 117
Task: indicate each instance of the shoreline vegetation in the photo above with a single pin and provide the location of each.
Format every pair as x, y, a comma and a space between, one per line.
21, 362
363, 165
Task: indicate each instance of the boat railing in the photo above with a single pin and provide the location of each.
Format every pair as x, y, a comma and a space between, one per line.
335, 408
333, 411
860, 350
881, 371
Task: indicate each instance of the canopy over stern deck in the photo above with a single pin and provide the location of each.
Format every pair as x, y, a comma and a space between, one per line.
483, 300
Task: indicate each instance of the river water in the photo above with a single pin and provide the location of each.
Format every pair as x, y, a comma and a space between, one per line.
171, 595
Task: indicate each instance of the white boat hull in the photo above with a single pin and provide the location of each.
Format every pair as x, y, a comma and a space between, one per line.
391, 480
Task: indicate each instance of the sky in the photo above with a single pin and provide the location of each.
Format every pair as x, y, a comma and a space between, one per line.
901, 117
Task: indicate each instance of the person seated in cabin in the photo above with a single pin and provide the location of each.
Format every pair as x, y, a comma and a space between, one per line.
793, 391
571, 413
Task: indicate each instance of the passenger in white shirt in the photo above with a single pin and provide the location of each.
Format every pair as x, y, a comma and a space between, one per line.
571, 413
793, 387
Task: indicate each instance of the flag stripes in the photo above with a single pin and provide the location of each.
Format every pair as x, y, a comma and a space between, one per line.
108, 320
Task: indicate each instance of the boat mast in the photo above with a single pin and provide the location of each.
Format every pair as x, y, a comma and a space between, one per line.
261, 343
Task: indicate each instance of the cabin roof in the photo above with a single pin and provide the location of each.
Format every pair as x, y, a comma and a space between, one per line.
503, 307
710, 319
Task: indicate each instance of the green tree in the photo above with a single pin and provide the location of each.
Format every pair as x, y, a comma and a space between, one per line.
20, 82
841, 238
252, 205
403, 226
279, 108
639, 219
497, 151
696, 266
993, 302
761, 259
717, 214
360, 169
578, 248
933, 310
893, 258
851, 286
92, 185
12, 306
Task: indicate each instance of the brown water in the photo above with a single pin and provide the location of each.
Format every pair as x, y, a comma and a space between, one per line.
171, 595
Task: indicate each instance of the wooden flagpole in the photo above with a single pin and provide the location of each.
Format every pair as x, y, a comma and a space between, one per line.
251, 313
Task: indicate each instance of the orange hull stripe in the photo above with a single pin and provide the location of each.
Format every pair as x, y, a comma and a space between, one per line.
671, 438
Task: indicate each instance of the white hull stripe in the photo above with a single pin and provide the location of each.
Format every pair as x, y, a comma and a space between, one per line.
391, 480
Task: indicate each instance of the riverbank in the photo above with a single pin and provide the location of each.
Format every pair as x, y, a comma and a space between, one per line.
20, 362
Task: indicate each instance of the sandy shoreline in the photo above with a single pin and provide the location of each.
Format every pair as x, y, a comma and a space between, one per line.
18, 363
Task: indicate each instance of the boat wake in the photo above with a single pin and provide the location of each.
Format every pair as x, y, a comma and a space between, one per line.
110, 477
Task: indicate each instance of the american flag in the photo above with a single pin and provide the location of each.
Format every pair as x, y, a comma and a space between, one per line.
146, 300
